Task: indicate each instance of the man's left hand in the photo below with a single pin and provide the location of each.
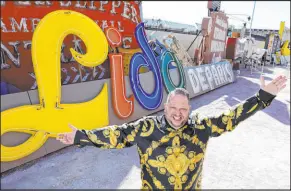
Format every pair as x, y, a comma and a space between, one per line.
275, 86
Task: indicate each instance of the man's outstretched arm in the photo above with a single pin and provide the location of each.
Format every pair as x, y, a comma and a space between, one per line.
111, 137
228, 121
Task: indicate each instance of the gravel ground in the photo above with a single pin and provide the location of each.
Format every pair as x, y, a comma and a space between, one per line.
256, 155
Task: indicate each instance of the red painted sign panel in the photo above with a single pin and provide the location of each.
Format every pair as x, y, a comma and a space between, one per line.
20, 18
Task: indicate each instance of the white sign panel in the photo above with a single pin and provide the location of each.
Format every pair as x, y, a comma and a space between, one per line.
207, 77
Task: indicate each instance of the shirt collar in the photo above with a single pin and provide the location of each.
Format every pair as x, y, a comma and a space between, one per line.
164, 124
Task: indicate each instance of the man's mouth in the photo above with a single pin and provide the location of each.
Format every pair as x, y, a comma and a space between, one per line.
176, 118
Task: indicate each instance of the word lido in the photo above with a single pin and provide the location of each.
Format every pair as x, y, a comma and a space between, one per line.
50, 117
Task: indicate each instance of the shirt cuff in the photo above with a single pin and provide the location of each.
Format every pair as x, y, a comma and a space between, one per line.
79, 135
265, 97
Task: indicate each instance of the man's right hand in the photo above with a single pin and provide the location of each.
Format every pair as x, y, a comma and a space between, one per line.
68, 138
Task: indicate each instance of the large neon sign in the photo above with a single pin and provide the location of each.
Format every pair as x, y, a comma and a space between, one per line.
166, 59
147, 59
123, 106
50, 117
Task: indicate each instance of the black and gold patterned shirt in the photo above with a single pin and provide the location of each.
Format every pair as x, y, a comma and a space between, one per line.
169, 158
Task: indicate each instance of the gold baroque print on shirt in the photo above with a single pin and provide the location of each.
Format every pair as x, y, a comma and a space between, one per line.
132, 135
200, 126
227, 120
146, 185
112, 134
253, 108
214, 128
239, 111
176, 163
193, 179
157, 183
94, 138
196, 141
147, 130
197, 185
149, 150
108, 133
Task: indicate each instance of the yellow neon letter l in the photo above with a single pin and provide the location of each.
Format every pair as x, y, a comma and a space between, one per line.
50, 116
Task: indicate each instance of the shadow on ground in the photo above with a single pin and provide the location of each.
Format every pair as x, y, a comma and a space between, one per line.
247, 89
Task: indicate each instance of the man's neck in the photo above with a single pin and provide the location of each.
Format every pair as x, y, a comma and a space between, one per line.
172, 126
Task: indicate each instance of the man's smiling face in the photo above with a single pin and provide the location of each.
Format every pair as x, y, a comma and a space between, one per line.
177, 110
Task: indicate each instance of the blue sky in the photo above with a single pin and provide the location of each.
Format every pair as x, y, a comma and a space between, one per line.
268, 14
